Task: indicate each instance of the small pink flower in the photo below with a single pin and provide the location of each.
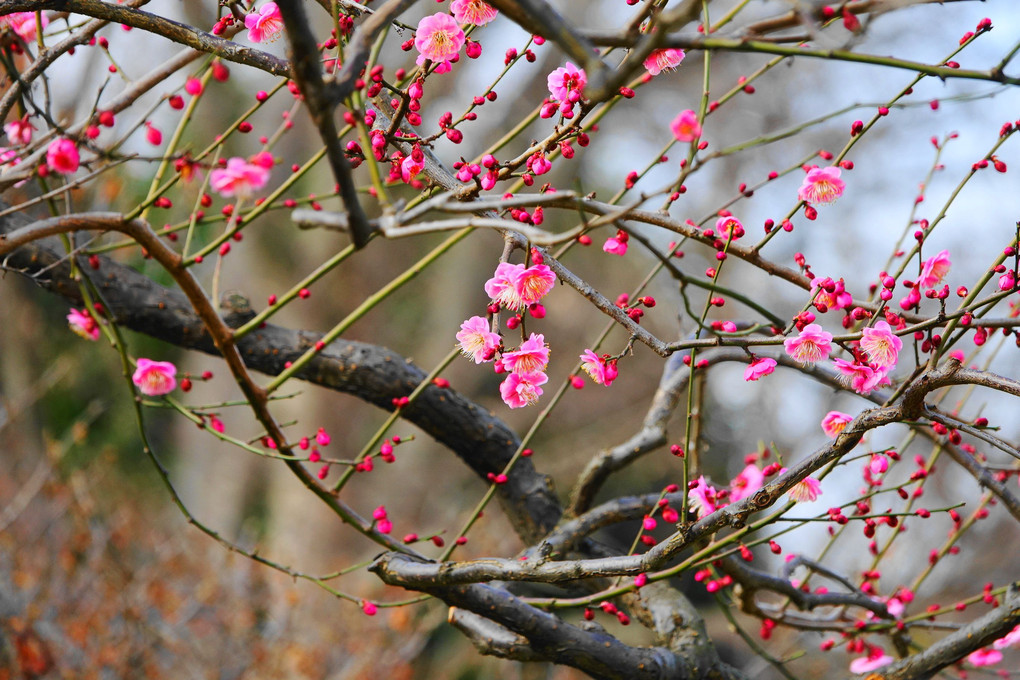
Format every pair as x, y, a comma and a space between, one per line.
729, 227
521, 389
598, 369
240, 178
812, 345
533, 283
409, 168
882, 345
477, 341
878, 464
746, 483
501, 286
664, 60
62, 156
155, 378
23, 23
1010, 639
530, 357
703, 498
82, 323
984, 657
473, 12
804, 491
875, 659
539, 164
685, 127
759, 368
19, 132
265, 24
862, 378
439, 39
615, 246
566, 83
838, 298
821, 186
835, 422
934, 270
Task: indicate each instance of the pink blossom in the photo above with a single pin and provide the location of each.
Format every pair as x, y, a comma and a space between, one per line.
82, 323
984, 657
477, 341
240, 178
881, 344
566, 83
532, 356
369, 608
62, 156
473, 12
703, 498
729, 226
746, 483
615, 246
664, 60
439, 39
861, 377
1010, 639
835, 422
265, 24
821, 186
804, 491
521, 389
875, 659
759, 368
23, 23
602, 372
501, 286
155, 378
837, 299
934, 270
409, 168
686, 127
19, 131
878, 464
533, 283
539, 164
813, 344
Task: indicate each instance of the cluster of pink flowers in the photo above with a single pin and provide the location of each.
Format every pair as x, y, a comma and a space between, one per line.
879, 344
565, 85
242, 178
155, 378
821, 186
265, 24
438, 39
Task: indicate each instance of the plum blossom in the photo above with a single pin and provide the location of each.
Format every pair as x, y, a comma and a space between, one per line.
812, 345
835, 422
686, 127
438, 38
664, 60
861, 377
703, 498
62, 156
501, 286
566, 83
875, 659
934, 270
746, 483
821, 186
836, 298
19, 131
804, 491
23, 23
533, 283
477, 341
759, 368
473, 12
82, 323
531, 357
615, 246
240, 178
409, 168
1010, 639
882, 345
984, 657
521, 389
601, 371
265, 24
155, 378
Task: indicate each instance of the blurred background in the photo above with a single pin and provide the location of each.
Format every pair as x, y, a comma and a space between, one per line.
100, 576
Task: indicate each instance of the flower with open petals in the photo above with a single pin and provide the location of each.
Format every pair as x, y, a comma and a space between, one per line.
566, 83
835, 422
875, 659
934, 270
828, 294
805, 491
409, 168
23, 23
473, 12
532, 356
984, 657
686, 127
746, 483
1010, 639
821, 186
521, 389
600, 370
82, 323
477, 341
664, 60
533, 283
813, 344
614, 246
881, 344
861, 377
155, 378
438, 38
759, 368
239, 178
265, 24
703, 498
501, 286
19, 131
62, 156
